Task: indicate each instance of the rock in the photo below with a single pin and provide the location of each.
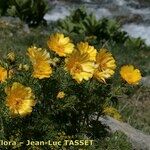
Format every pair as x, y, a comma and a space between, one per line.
133, 18
134, 4
11, 20
16, 23
140, 141
144, 3
146, 81
26, 28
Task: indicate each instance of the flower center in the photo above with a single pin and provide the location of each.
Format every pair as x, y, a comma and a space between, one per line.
77, 68
101, 67
60, 48
17, 102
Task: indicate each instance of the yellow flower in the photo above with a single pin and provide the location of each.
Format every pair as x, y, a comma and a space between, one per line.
23, 67
60, 44
61, 95
3, 74
11, 56
105, 65
80, 63
26, 67
111, 111
20, 99
130, 74
86, 48
41, 62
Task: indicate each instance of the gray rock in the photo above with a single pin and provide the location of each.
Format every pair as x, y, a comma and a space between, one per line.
26, 28
139, 140
133, 18
146, 81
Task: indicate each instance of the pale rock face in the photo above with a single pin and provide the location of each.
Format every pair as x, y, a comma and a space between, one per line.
140, 141
136, 31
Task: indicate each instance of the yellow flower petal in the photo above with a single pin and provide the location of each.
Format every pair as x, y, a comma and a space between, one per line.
81, 63
41, 62
130, 75
3, 74
60, 44
19, 100
86, 48
105, 65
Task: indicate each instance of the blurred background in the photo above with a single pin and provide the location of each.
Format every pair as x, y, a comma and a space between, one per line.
134, 15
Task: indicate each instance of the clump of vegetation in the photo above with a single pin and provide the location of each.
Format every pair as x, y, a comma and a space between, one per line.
55, 88
29, 11
116, 141
80, 22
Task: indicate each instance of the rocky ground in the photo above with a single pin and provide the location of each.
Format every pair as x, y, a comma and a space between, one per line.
139, 140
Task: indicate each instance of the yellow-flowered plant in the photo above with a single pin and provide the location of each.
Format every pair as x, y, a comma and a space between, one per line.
60, 44
19, 100
88, 49
40, 59
106, 65
81, 63
130, 74
61, 92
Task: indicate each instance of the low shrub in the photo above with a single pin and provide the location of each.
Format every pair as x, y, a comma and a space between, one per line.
86, 24
60, 94
30, 11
